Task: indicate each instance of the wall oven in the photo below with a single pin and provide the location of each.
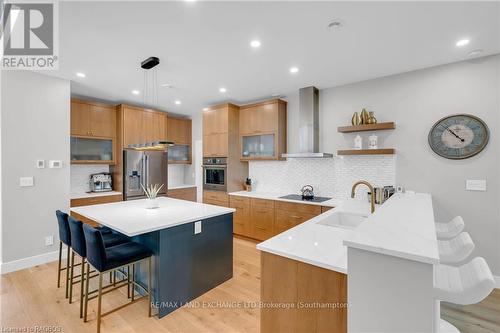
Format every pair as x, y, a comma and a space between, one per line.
215, 174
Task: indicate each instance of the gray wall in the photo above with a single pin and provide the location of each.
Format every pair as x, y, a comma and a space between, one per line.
34, 125
416, 100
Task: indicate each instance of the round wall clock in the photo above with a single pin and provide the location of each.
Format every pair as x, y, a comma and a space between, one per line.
458, 136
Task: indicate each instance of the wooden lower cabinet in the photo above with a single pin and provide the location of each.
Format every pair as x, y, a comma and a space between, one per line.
188, 193
93, 201
317, 297
289, 215
241, 218
262, 218
217, 198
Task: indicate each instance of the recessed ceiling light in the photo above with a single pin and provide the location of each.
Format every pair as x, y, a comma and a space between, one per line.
222, 90
135, 92
80, 74
177, 102
462, 42
166, 85
335, 24
255, 43
205, 109
294, 70
475, 53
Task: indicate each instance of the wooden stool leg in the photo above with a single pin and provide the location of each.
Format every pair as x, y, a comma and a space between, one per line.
71, 277
82, 279
67, 274
59, 266
149, 284
133, 280
99, 304
128, 281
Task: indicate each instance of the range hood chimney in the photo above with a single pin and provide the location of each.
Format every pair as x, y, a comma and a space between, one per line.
308, 125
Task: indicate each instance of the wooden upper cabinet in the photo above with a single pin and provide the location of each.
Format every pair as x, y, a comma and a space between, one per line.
179, 130
215, 121
153, 126
142, 125
92, 119
132, 126
80, 118
220, 130
262, 128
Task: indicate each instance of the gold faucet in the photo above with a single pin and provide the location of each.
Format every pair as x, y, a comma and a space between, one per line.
372, 192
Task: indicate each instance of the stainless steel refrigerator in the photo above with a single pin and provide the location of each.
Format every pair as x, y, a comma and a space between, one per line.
143, 168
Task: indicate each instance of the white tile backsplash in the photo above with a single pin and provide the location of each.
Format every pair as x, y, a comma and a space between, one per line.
329, 177
80, 174
176, 174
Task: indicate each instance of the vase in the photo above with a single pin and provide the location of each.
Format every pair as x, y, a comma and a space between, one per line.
152, 203
364, 117
355, 120
371, 118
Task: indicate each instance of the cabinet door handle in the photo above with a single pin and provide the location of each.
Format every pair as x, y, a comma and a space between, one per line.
295, 216
260, 228
261, 211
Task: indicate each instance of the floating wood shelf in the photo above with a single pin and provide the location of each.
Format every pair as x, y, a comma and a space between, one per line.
370, 127
384, 151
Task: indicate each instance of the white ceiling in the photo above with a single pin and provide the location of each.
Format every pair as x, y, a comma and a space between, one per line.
203, 46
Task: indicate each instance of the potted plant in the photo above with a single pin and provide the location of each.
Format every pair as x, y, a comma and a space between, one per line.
151, 192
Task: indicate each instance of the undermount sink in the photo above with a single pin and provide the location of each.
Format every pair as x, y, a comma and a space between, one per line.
344, 220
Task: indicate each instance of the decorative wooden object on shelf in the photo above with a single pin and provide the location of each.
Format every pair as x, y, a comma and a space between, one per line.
370, 127
382, 151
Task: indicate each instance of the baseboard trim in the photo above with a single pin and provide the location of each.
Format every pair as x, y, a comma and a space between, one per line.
15, 265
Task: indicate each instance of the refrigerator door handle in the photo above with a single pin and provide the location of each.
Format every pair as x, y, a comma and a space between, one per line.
144, 171
147, 169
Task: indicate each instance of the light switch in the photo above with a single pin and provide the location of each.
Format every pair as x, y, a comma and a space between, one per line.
26, 181
55, 164
197, 227
49, 240
475, 184
40, 164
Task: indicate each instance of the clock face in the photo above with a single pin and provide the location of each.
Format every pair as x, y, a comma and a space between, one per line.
458, 136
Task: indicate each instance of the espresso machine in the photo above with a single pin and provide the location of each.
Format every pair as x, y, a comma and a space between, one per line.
101, 182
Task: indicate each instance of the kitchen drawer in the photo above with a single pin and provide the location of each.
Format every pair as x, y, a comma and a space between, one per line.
262, 203
188, 193
216, 202
216, 195
241, 218
325, 208
262, 221
96, 200
298, 207
285, 220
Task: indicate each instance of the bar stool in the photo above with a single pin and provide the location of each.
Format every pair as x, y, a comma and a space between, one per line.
450, 229
455, 250
65, 238
109, 260
79, 247
467, 284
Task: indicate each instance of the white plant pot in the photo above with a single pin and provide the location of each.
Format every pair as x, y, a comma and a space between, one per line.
152, 203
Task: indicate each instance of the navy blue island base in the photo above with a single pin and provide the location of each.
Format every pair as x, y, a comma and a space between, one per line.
185, 264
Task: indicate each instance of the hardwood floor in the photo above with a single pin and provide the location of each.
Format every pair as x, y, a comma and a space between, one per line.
29, 298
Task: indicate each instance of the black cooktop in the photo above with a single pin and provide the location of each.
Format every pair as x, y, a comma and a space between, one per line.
299, 198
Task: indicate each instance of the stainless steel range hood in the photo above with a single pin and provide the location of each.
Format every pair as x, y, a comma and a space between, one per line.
308, 125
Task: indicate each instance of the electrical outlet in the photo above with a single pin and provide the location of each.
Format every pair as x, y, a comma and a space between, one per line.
49, 240
197, 227
26, 181
55, 164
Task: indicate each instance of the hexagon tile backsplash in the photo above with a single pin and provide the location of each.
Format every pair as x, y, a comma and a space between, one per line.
331, 177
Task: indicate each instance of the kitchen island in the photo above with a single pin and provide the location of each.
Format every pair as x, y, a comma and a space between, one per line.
192, 245
347, 268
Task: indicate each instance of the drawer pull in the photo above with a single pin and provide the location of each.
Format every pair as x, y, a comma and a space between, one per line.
295, 216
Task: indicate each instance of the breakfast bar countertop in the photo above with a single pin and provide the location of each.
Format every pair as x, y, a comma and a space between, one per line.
133, 218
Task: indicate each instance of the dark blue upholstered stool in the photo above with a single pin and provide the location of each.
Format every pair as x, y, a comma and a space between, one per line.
65, 238
109, 259
79, 247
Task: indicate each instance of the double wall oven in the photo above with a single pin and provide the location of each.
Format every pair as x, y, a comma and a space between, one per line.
215, 173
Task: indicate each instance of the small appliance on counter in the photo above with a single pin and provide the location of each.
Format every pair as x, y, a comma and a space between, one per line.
101, 182
307, 195
382, 194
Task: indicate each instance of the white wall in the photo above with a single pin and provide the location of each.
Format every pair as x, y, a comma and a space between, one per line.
34, 125
416, 100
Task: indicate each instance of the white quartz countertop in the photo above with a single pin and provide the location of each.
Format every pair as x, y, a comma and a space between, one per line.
403, 227
82, 195
276, 196
133, 218
317, 244
179, 186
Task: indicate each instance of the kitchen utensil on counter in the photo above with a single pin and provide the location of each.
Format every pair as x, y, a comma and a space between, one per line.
101, 182
307, 192
383, 193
